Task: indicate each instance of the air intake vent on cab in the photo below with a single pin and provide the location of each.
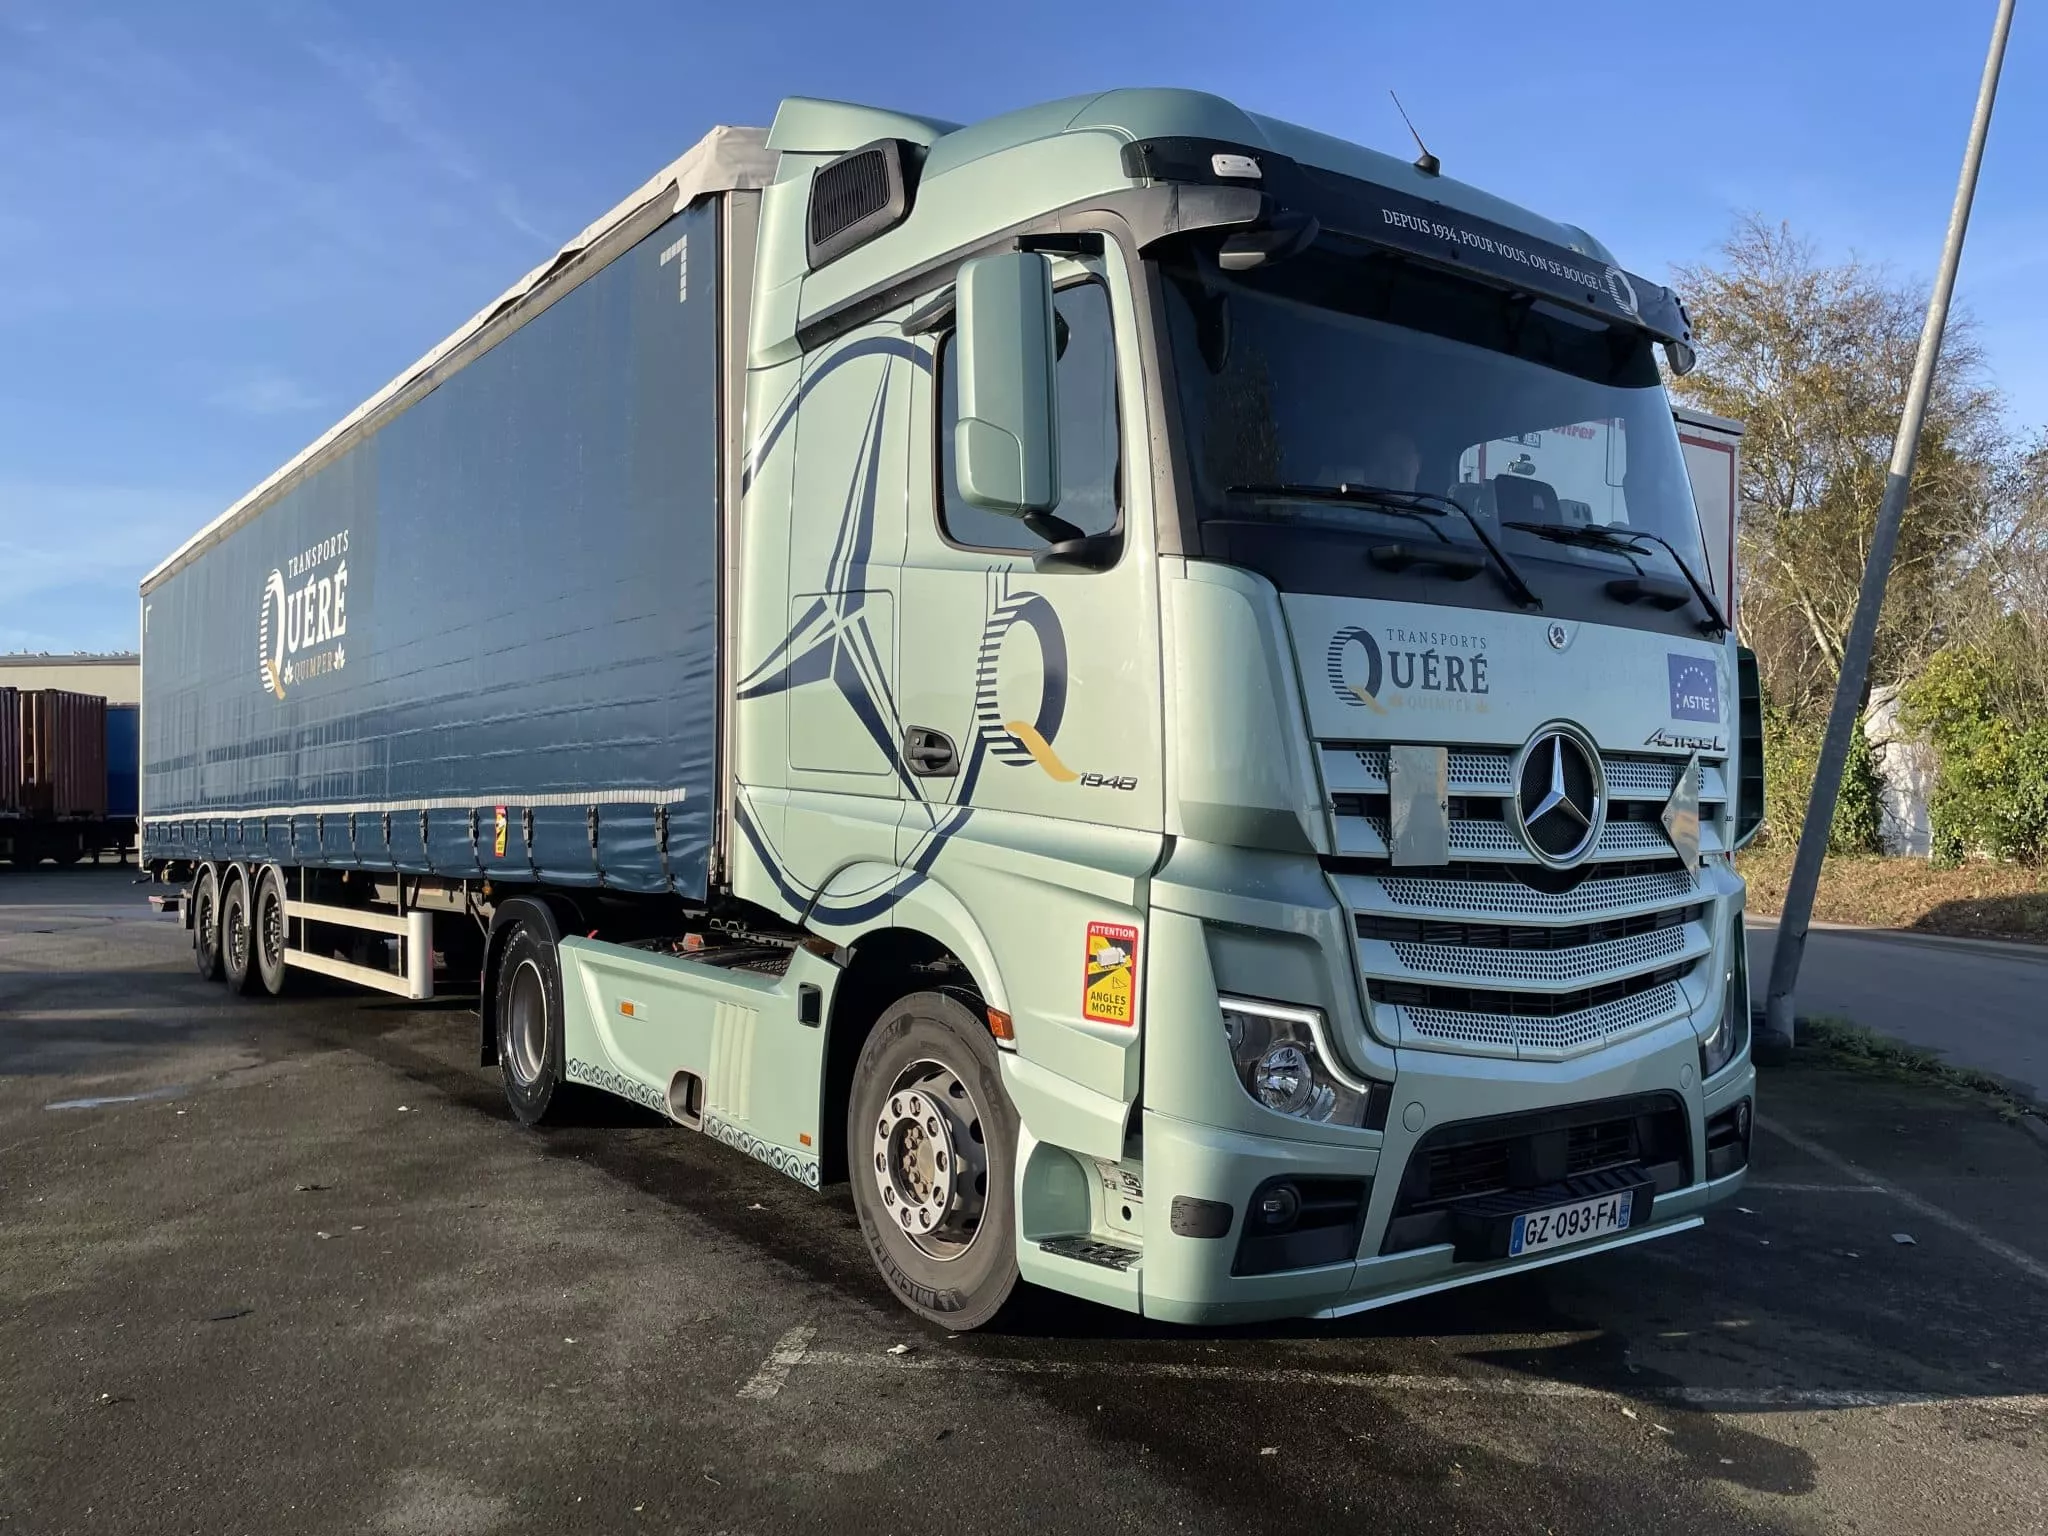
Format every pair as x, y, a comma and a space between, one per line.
857, 197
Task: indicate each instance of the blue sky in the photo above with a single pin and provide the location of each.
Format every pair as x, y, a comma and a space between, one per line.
225, 222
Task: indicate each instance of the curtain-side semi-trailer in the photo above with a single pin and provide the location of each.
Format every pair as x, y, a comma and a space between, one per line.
1134, 680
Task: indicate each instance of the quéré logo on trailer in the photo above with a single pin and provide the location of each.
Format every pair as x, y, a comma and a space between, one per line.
304, 617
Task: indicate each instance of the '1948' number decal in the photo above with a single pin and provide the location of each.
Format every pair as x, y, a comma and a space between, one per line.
1108, 781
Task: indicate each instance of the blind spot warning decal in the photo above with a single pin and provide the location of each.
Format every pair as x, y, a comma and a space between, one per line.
498, 835
1109, 991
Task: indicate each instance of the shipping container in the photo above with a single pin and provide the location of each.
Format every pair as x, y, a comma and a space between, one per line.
124, 750
64, 754
10, 752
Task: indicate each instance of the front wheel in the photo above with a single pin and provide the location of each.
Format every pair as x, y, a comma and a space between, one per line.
931, 1140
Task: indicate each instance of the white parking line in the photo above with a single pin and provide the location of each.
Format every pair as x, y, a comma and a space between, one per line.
1770, 1188
774, 1371
794, 1350
2025, 1263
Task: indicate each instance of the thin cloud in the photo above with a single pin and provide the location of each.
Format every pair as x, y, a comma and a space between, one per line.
390, 95
265, 394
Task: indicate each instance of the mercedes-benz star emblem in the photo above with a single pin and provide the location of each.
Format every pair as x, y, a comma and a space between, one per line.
1560, 796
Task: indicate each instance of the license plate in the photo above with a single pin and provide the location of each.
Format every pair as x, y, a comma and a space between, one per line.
1574, 1223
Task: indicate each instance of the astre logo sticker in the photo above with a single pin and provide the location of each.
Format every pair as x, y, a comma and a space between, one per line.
1109, 991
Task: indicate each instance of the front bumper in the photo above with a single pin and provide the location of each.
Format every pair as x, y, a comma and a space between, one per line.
1191, 1279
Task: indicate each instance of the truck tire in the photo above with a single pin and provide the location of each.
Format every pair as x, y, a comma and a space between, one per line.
528, 985
269, 932
237, 940
931, 1143
206, 925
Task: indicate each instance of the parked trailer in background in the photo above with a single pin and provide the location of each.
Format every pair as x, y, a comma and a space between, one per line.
68, 776
1137, 681
1713, 460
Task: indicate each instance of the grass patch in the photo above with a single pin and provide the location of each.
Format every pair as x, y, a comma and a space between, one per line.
1849, 1045
1975, 901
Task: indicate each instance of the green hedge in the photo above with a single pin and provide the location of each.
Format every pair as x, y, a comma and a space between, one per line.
1992, 793
1791, 752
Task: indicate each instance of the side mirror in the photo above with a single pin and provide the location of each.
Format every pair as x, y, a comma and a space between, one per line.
1006, 447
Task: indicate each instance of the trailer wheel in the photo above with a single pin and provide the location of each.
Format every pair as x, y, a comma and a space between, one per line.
931, 1142
270, 933
237, 940
529, 1009
206, 925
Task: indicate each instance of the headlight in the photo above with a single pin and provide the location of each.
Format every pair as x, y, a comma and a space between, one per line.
1731, 1031
1282, 1062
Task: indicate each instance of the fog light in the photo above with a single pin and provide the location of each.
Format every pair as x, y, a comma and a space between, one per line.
1277, 1208
1284, 1064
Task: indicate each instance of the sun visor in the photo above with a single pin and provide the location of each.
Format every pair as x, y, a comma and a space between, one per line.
1466, 242
1415, 226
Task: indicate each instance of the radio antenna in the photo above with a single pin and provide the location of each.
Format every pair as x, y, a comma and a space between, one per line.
1425, 162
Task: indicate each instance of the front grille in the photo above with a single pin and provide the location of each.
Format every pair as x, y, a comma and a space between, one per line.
1496, 954
1477, 1168
1470, 1160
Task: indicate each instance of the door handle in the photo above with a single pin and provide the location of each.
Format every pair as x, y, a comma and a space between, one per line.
930, 753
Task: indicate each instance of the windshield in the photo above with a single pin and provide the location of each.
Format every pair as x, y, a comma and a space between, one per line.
1350, 367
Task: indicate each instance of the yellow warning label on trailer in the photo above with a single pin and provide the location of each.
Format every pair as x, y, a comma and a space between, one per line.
1109, 990
498, 837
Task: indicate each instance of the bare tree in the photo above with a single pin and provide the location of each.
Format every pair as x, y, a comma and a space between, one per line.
1815, 359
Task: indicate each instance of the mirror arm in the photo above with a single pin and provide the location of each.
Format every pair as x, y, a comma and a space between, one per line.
1090, 552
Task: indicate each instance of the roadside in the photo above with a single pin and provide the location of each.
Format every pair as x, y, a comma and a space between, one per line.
1975, 900
1977, 1006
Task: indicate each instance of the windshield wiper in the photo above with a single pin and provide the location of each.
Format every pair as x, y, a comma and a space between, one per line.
1599, 536
1410, 503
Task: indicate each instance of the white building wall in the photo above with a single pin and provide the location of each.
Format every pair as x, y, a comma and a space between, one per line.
117, 679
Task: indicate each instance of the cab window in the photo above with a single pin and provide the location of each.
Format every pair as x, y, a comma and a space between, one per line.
1089, 435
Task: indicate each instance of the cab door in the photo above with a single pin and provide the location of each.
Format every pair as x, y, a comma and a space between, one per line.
1031, 697
833, 673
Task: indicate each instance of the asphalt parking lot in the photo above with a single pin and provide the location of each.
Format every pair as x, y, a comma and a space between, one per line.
287, 1266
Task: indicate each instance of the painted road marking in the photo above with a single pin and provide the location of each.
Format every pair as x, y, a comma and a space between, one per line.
2025, 1263
795, 1350
774, 1371
1813, 1189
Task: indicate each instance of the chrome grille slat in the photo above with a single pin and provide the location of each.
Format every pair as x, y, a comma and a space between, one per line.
1484, 771
1424, 895
1366, 837
1495, 1034
1559, 968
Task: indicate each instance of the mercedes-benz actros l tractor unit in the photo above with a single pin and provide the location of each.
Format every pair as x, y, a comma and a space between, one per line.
1136, 682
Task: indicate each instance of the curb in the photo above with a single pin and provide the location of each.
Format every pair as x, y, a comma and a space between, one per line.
2011, 949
